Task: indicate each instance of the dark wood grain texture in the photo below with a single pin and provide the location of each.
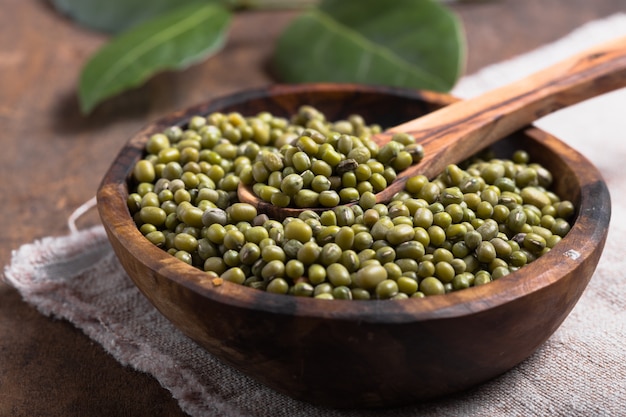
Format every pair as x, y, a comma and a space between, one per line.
358, 354
53, 159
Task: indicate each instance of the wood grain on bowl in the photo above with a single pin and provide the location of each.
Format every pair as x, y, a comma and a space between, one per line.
368, 353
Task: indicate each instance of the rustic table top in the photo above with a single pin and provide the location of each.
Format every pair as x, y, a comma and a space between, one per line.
53, 158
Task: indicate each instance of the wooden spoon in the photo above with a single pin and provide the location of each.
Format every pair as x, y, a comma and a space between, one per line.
456, 132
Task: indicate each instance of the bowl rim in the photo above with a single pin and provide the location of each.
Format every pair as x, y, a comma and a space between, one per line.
588, 232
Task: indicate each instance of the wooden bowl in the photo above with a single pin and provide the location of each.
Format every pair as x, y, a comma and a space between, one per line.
367, 353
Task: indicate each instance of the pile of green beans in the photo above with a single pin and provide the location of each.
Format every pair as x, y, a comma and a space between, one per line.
474, 223
327, 164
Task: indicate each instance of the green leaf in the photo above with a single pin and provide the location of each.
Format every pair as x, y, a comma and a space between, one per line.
172, 41
116, 15
403, 43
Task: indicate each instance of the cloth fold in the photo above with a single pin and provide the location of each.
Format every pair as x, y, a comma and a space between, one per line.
579, 371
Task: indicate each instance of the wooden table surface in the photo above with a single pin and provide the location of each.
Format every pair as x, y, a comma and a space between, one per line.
52, 160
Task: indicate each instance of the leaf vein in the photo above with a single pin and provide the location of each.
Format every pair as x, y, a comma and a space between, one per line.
367, 44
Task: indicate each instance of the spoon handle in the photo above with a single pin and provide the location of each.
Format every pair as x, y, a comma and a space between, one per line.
457, 131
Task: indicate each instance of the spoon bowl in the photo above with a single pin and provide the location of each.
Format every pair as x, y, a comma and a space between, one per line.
375, 353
